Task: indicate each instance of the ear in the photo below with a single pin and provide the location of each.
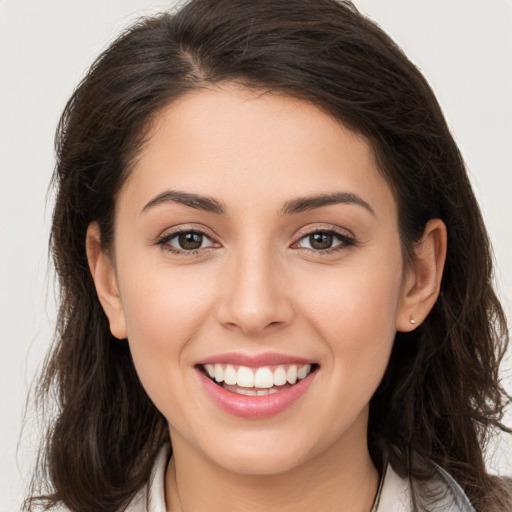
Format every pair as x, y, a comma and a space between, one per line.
105, 280
422, 278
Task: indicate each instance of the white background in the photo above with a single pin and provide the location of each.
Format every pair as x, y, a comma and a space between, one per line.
463, 47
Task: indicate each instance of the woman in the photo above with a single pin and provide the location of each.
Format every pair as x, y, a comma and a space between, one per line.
270, 256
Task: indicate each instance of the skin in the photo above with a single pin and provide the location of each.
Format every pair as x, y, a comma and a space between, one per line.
256, 285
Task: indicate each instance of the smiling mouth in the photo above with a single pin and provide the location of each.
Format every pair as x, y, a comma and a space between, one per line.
261, 381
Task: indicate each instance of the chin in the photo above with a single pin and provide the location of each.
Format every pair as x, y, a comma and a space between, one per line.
258, 463
262, 453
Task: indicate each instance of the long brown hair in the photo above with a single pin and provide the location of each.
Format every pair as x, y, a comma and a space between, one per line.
440, 397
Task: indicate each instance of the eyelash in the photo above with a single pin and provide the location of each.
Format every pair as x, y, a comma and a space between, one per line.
344, 239
165, 240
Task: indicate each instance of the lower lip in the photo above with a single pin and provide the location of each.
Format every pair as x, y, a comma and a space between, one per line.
255, 407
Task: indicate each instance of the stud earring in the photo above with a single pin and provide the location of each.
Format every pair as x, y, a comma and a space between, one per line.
412, 321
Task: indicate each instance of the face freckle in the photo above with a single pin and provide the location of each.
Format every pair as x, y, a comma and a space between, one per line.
258, 226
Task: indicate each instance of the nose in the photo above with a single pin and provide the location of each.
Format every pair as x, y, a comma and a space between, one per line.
254, 299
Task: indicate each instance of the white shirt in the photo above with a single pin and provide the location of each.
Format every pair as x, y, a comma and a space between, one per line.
440, 494
395, 493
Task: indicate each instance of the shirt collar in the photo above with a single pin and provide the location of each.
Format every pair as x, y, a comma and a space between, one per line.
394, 492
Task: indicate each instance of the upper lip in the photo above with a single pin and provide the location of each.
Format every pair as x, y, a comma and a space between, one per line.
254, 360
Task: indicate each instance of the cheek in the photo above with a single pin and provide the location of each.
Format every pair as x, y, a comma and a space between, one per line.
164, 313
354, 309
354, 316
164, 310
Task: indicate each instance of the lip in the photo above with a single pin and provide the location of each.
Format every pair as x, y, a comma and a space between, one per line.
254, 407
254, 360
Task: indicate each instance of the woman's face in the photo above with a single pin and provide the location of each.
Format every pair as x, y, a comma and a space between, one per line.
256, 239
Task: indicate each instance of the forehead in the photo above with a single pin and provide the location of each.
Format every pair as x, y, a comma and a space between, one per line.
235, 143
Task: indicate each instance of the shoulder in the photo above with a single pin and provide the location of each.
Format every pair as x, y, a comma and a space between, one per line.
138, 504
151, 498
441, 493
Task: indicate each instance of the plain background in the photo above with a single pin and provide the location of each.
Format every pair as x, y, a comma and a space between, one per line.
463, 48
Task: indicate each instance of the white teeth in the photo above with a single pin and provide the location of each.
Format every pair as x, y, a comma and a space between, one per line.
230, 375
291, 374
246, 391
280, 376
210, 369
303, 371
245, 377
219, 373
254, 391
262, 378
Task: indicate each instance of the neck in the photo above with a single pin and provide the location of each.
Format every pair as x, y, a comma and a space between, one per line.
340, 478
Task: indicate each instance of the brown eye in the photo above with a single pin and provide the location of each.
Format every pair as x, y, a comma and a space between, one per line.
324, 241
190, 241
321, 240
186, 241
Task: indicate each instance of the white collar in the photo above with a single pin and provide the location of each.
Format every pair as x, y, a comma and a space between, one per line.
395, 493
440, 493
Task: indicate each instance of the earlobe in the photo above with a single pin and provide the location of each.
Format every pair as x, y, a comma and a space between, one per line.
104, 277
422, 279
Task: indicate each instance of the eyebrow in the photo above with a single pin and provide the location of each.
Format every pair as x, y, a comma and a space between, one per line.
303, 204
196, 201
294, 206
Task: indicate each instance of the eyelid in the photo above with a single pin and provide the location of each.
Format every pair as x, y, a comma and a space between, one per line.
345, 235
315, 228
185, 228
168, 234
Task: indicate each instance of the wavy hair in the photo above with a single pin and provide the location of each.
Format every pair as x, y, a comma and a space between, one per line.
440, 397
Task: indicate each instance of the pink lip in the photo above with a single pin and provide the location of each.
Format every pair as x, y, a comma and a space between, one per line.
254, 360
254, 407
